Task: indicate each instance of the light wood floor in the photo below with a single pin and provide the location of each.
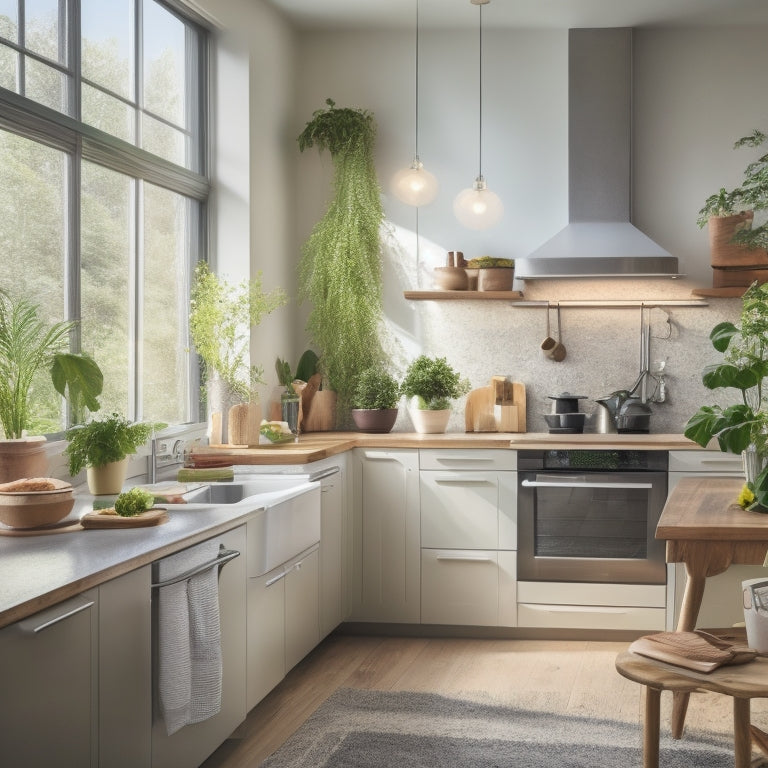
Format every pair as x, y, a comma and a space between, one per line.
570, 677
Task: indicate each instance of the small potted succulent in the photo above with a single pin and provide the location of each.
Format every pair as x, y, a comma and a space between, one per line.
102, 447
431, 383
374, 401
491, 274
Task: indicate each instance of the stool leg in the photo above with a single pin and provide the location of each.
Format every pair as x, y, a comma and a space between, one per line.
679, 709
651, 728
742, 740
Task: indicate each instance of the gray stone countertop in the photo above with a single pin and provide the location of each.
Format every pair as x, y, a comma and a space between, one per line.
37, 572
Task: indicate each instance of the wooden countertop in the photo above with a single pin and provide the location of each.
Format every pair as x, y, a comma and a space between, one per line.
704, 509
320, 445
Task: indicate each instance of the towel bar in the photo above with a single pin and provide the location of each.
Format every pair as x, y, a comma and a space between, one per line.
224, 556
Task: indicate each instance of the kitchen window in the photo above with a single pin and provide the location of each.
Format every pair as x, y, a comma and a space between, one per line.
103, 188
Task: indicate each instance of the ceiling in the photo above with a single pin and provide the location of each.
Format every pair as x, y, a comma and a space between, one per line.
357, 14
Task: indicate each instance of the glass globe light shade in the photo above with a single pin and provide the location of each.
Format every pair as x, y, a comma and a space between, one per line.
415, 185
478, 207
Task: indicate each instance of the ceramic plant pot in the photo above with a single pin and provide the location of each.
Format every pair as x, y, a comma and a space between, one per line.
429, 422
495, 279
376, 420
107, 480
23, 457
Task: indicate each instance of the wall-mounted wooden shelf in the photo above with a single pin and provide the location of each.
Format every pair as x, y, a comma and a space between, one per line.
731, 292
463, 295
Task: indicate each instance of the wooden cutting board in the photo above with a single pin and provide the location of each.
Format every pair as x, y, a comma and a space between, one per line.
499, 407
156, 516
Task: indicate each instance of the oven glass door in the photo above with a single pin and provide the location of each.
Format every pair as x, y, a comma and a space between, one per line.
591, 527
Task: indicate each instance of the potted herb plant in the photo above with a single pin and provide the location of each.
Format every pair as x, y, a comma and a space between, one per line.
431, 383
374, 402
340, 272
29, 345
735, 244
491, 274
102, 446
741, 428
220, 321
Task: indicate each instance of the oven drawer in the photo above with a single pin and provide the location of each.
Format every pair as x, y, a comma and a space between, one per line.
590, 617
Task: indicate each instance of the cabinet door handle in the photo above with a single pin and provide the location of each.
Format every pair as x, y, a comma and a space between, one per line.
465, 558
31, 624
461, 481
275, 579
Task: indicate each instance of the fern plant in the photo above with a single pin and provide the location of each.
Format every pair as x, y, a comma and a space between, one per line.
220, 320
340, 268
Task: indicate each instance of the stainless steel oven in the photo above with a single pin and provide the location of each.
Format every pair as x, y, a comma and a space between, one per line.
591, 515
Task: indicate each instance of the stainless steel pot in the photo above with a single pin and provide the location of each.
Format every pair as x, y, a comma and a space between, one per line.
634, 416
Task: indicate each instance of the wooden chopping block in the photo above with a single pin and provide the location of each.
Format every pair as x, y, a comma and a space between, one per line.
322, 416
509, 404
478, 411
307, 394
518, 398
243, 424
216, 427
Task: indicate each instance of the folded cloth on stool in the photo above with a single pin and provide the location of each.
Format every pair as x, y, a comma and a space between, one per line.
697, 650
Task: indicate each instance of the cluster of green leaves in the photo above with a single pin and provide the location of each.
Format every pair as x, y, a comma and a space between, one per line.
752, 194
105, 440
29, 344
376, 388
745, 368
306, 368
220, 319
434, 382
133, 502
340, 271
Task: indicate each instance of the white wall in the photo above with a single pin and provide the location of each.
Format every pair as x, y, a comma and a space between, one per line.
687, 115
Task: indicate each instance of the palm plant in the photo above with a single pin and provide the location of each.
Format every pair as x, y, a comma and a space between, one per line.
27, 345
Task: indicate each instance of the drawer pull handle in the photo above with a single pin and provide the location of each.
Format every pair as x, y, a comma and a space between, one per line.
28, 626
275, 579
461, 481
465, 558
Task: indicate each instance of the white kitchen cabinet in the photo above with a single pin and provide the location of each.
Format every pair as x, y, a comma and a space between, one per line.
283, 623
385, 540
721, 605
48, 669
468, 537
332, 564
125, 671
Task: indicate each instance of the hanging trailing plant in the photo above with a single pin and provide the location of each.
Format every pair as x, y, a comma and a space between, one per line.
340, 269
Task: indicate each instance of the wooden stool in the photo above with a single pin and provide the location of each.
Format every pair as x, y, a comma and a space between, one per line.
742, 682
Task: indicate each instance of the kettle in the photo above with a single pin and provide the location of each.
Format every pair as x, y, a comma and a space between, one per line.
608, 410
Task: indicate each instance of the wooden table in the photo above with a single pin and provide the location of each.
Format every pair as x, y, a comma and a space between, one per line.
707, 531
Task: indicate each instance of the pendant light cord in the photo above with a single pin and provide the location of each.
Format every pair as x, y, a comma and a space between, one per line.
480, 90
417, 78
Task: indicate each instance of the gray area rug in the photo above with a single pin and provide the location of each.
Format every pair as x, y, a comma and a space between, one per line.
375, 729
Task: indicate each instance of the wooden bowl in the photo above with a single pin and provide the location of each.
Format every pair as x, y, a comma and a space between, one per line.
36, 509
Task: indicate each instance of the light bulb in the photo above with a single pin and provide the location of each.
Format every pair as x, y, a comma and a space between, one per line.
414, 185
478, 207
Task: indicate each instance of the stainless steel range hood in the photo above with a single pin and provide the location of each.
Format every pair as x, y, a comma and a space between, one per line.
599, 240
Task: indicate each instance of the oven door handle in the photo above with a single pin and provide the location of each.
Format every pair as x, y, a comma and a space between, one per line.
572, 484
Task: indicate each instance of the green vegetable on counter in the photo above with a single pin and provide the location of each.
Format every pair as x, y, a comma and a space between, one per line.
133, 502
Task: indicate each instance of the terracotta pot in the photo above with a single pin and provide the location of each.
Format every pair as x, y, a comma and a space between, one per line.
376, 420
495, 279
24, 457
107, 480
429, 422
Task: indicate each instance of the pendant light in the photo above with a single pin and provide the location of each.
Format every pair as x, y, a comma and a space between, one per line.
479, 207
415, 185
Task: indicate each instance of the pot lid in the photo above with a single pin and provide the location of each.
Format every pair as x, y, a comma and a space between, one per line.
567, 396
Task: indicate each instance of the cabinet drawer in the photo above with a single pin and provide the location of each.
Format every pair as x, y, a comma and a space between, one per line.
590, 617
716, 462
459, 587
459, 509
467, 458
